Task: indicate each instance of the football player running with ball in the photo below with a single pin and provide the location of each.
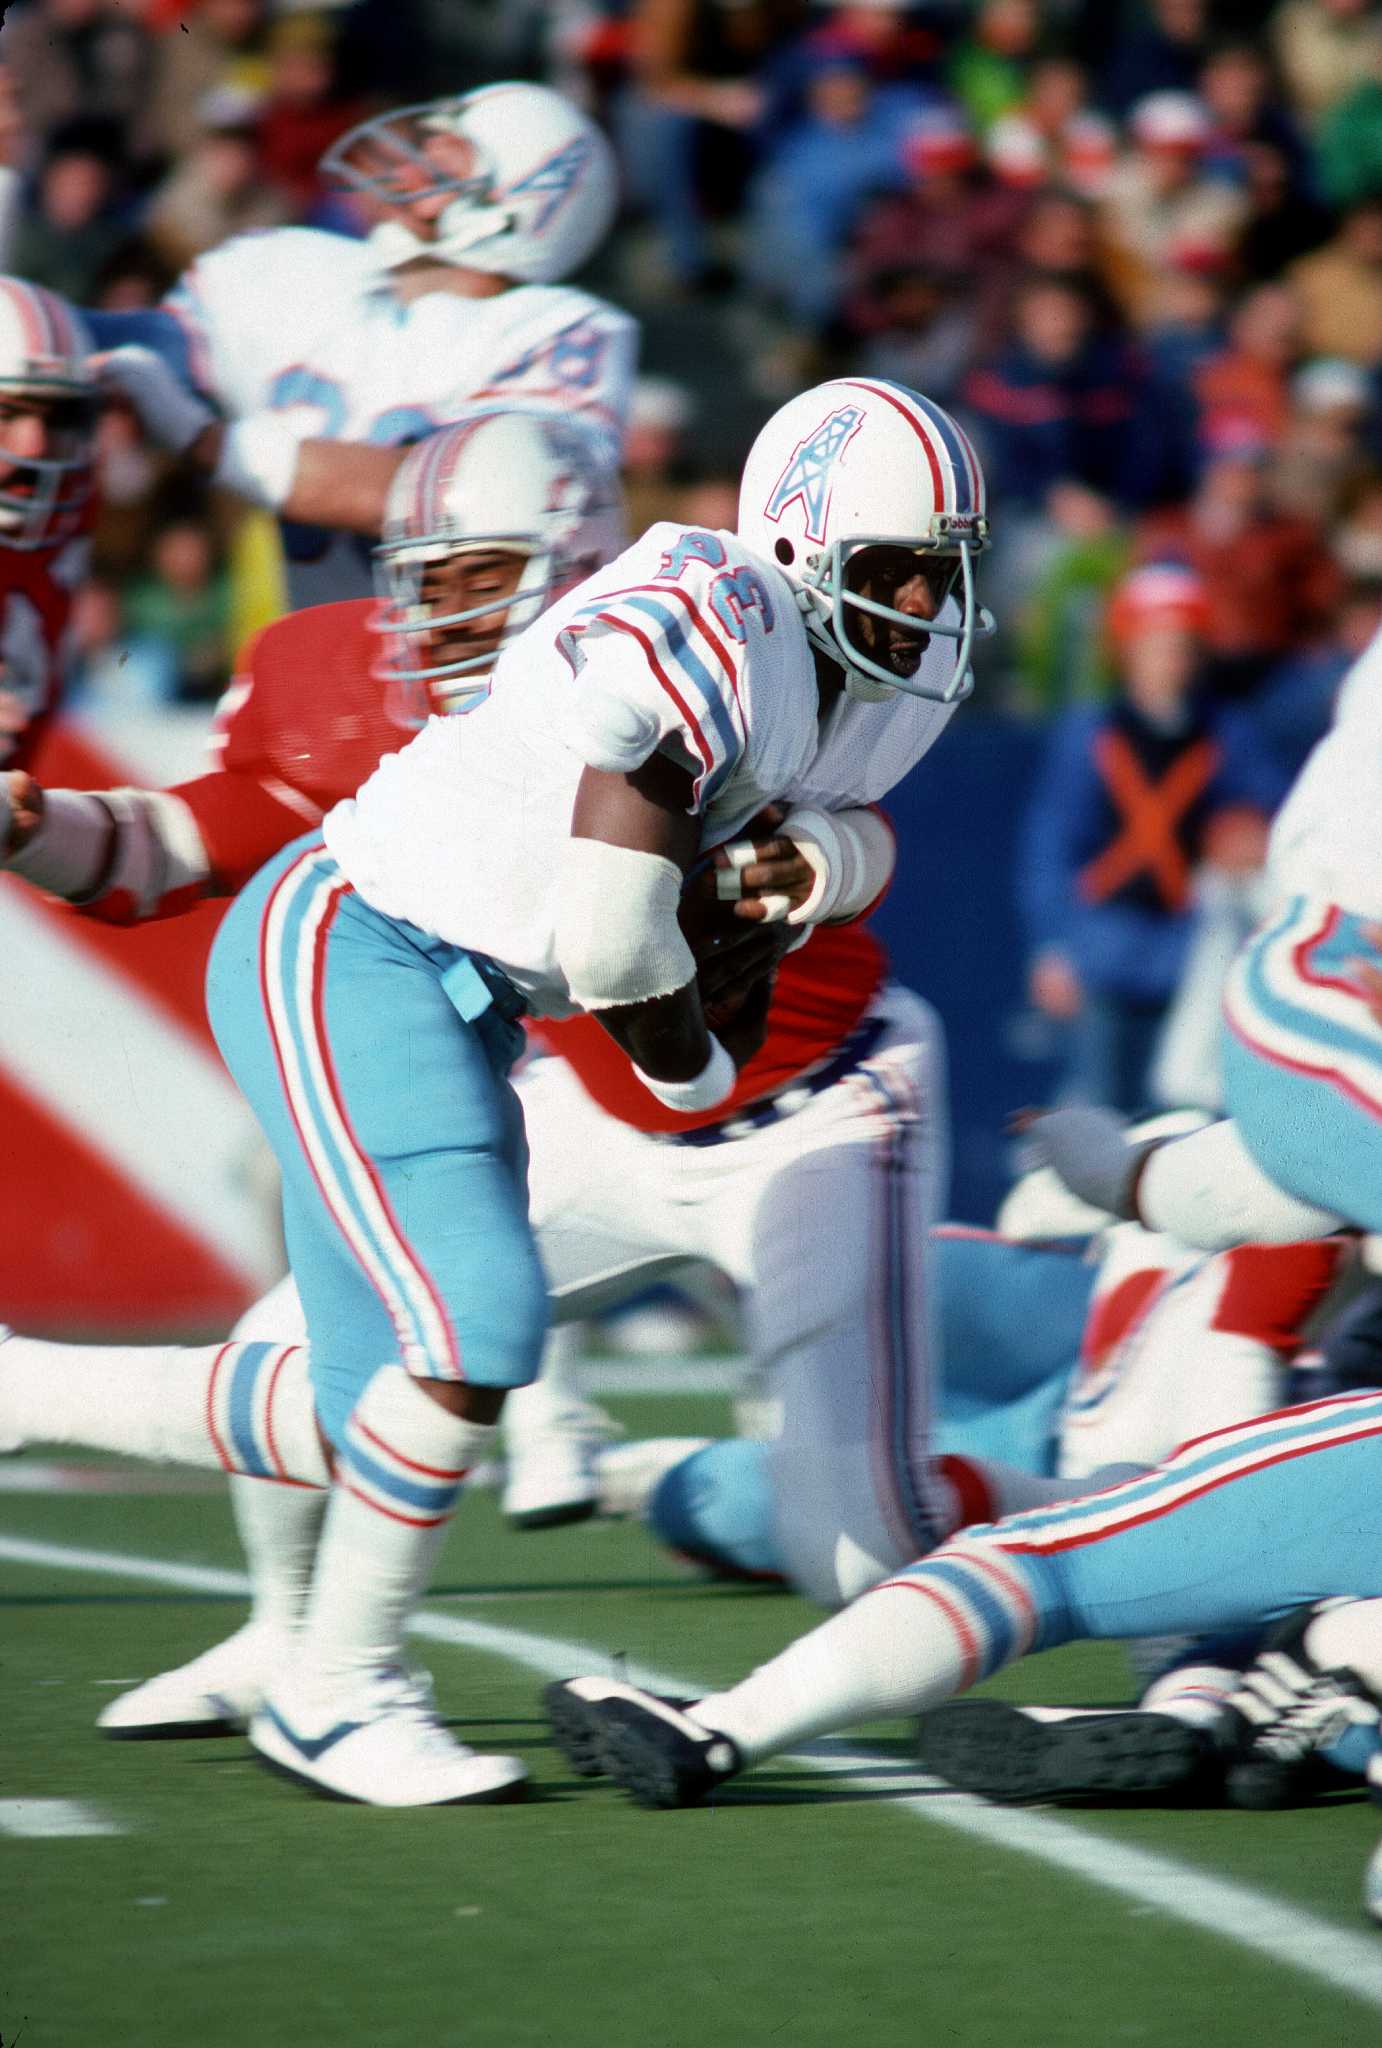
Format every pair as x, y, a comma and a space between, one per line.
531, 859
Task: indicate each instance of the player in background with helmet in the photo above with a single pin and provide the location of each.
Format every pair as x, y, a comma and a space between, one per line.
479, 205
694, 677
49, 403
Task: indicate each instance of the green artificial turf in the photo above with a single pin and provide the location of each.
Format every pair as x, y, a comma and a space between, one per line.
237, 1909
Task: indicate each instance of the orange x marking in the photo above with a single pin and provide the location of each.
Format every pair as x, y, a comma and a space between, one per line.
1150, 812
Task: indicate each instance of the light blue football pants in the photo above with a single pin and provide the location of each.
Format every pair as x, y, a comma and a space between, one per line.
1303, 1060
376, 1060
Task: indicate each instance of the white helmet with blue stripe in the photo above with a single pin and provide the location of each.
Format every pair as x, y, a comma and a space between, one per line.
500, 481
857, 464
513, 180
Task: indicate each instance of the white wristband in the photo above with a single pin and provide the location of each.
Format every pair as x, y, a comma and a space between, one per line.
259, 459
852, 854
705, 1090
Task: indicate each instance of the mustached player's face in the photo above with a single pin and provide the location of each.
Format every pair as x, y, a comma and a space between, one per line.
488, 577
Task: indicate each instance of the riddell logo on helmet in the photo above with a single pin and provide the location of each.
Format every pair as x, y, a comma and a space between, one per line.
810, 470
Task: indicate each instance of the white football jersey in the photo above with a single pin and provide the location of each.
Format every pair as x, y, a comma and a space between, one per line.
1327, 839
305, 324
685, 644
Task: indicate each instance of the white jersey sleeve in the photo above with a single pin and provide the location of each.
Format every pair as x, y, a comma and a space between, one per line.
256, 306
1326, 840
676, 649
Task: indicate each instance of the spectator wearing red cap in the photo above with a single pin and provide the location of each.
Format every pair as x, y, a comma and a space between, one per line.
1128, 802
1160, 203
1271, 580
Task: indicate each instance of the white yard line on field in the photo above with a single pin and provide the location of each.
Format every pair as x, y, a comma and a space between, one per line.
1280, 1933
36, 1819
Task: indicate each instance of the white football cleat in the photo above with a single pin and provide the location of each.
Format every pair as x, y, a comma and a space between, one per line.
552, 1476
382, 1744
213, 1695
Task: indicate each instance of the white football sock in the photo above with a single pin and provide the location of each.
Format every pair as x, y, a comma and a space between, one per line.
279, 1529
1208, 1190
233, 1407
1194, 1693
399, 1469
890, 1653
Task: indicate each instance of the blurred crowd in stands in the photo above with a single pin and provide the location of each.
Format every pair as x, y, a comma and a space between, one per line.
1135, 244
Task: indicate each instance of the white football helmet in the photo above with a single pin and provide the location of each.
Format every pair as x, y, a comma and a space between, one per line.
43, 361
515, 480
860, 463
529, 180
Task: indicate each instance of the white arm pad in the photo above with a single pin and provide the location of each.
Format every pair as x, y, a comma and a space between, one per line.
157, 848
617, 936
259, 459
853, 854
67, 853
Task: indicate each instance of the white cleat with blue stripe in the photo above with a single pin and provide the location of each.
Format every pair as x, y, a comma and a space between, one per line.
213, 1695
382, 1745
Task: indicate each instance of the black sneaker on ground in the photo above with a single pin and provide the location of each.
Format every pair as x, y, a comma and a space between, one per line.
1009, 1753
573, 1710
1284, 1711
648, 1744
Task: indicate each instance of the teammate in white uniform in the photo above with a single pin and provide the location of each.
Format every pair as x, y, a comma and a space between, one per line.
480, 205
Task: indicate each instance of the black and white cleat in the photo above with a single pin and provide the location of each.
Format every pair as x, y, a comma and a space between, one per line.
648, 1744
1285, 1711
1009, 1753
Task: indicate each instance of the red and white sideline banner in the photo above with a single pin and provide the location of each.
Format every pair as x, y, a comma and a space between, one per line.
134, 1194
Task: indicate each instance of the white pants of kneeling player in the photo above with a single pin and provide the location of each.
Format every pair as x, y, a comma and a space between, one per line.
821, 1218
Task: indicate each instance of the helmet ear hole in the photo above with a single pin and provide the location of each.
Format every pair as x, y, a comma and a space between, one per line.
784, 550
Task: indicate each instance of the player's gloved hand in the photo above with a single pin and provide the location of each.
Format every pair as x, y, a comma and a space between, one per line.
1088, 1150
169, 413
21, 811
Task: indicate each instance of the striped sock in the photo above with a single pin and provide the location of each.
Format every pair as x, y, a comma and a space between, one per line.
240, 1407
399, 1470
912, 1642
1194, 1693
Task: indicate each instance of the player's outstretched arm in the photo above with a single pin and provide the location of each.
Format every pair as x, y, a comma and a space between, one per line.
122, 855
633, 837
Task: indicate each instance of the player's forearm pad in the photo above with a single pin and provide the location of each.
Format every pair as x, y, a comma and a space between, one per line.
259, 459
159, 858
67, 853
617, 936
852, 854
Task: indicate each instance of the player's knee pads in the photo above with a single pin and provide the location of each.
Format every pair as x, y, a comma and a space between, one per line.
717, 1507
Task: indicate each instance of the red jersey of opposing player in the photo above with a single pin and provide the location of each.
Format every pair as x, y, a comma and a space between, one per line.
306, 722
37, 588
